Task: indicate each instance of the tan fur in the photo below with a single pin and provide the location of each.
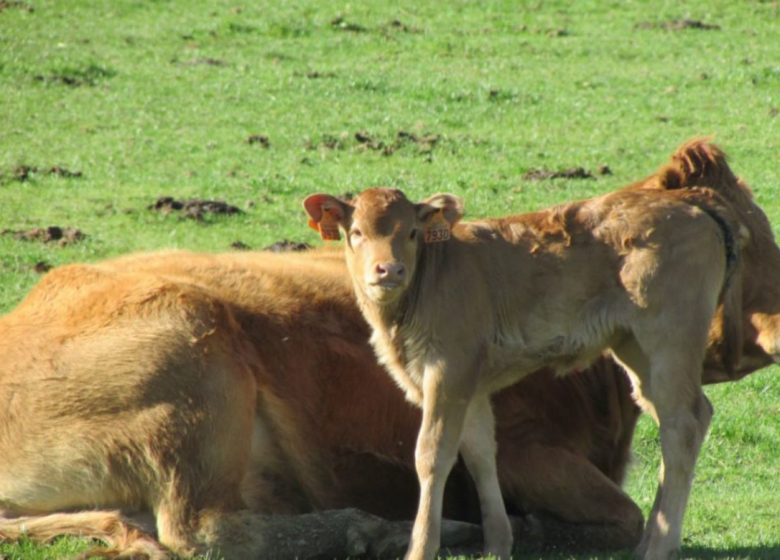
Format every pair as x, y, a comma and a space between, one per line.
639, 272
211, 389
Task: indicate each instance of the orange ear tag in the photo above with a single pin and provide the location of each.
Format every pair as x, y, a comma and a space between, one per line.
329, 226
437, 228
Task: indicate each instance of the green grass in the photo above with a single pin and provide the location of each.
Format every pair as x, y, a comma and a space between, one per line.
157, 98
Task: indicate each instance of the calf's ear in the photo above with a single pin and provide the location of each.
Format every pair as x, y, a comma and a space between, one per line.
450, 206
326, 214
438, 214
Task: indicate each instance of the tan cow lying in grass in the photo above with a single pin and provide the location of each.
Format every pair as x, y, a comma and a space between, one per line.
204, 388
212, 389
461, 310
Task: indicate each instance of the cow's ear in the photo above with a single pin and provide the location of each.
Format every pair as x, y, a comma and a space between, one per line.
450, 206
438, 214
326, 214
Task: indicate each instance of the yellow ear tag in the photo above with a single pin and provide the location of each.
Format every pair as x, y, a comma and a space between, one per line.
329, 226
437, 228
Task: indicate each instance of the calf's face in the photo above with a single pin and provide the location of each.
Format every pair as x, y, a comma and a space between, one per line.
385, 233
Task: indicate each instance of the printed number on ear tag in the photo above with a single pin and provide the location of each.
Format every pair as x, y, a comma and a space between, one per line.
329, 226
437, 229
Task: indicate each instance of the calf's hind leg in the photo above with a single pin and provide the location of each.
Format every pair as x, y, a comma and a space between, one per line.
478, 448
669, 388
444, 411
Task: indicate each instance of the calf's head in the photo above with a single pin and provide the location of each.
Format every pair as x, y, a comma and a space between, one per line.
385, 233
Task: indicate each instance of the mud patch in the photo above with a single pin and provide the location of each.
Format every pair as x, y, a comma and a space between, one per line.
558, 32
16, 5
545, 174
201, 61
317, 75
64, 172
340, 24
89, 75
366, 141
23, 172
327, 142
400, 27
285, 245
42, 267
678, 25
260, 140
194, 209
498, 95
394, 26
61, 235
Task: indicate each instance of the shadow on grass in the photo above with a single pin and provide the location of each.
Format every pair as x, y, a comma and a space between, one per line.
752, 552
769, 552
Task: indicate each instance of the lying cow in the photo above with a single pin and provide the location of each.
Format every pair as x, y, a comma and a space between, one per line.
206, 387
211, 389
459, 311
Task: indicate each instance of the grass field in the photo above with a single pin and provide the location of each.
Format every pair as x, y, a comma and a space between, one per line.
107, 106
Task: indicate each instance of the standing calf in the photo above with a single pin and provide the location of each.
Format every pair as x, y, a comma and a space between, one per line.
461, 310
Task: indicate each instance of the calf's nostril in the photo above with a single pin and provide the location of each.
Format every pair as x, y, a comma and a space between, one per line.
390, 270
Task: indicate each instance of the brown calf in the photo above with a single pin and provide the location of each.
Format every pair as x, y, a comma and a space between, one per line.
462, 310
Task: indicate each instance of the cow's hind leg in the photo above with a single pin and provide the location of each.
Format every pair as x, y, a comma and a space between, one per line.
669, 388
579, 507
478, 448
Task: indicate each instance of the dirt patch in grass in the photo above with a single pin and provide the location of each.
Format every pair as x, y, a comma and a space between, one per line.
64, 172
61, 235
195, 209
327, 142
285, 245
317, 75
259, 139
15, 4
363, 140
23, 172
678, 25
544, 174
400, 27
202, 61
42, 267
340, 24
88, 75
